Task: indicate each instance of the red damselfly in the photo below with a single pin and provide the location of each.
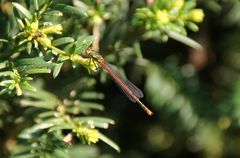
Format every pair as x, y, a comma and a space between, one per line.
131, 91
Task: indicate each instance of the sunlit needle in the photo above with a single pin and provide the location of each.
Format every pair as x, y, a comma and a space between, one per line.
131, 91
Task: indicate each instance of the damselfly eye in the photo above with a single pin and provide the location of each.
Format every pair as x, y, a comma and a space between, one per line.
88, 52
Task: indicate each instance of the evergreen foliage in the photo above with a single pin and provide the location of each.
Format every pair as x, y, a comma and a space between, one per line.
56, 102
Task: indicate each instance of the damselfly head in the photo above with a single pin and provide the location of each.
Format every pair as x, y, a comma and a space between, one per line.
89, 52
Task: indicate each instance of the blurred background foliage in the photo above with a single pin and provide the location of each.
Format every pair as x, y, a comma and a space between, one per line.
193, 89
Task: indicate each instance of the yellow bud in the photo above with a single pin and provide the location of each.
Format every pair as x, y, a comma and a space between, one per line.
162, 16
196, 15
176, 4
57, 29
34, 26
91, 135
44, 41
29, 38
97, 19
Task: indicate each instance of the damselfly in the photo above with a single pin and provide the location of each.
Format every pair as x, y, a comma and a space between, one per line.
131, 91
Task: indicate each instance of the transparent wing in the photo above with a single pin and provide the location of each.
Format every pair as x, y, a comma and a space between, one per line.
134, 88
127, 87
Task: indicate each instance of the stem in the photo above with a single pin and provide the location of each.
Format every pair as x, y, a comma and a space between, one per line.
96, 33
79, 59
138, 50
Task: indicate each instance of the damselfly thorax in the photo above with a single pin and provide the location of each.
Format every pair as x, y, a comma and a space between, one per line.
94, 55
94, 58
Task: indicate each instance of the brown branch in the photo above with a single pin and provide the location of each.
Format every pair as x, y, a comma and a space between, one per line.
150, 2
96, 34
